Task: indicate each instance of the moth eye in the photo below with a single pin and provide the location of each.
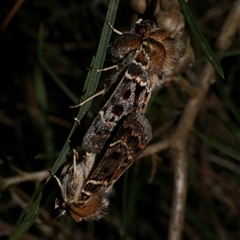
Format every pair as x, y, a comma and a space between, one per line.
141, 29
63, 205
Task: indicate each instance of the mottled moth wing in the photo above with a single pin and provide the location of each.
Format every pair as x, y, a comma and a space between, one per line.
144, 54
133, 136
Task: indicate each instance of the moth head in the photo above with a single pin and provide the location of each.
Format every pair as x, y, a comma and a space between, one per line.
60, 204
143, 26
94, 208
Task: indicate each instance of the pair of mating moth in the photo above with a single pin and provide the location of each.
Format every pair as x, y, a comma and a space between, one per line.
120, 132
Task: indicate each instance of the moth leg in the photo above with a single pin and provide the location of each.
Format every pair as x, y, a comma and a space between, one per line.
114, 29
104, 69
57, 179
57, 205
75, 157
102, 92
88, 163
77, 120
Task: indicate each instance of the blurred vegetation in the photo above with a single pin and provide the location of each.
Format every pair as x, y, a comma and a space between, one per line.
45, 50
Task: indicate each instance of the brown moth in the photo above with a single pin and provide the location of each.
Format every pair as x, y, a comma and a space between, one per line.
142, 56
85, 189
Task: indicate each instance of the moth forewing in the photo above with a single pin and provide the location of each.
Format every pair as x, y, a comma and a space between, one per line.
137, 133
131, 139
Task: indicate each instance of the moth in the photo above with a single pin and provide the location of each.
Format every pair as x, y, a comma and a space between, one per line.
142, 56
85, 189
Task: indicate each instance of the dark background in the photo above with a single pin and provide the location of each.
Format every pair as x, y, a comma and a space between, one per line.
35, 121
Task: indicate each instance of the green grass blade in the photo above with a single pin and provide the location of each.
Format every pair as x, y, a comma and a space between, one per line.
200, 38
89, 89
41, 95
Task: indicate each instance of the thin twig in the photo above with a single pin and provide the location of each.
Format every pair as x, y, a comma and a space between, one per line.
23, 177
186, 86
156, 147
